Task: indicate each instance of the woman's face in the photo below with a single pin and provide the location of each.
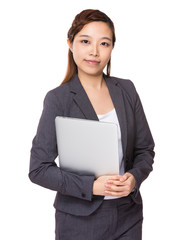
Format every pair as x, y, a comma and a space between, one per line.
92, 48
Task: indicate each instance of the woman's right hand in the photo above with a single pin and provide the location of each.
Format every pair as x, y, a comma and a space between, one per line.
99, 185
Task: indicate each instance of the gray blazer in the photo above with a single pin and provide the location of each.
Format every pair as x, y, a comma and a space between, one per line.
74, 192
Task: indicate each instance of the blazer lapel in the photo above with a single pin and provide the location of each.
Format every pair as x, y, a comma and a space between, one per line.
84, 104
81, 99
118, 101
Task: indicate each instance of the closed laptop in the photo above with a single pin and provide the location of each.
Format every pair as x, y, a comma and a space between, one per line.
87, 147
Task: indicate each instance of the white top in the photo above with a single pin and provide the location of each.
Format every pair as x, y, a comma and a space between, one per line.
112, 117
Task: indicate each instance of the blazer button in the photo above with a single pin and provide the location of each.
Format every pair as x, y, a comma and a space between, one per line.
83, 195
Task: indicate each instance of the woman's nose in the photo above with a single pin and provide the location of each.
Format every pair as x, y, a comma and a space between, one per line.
94, 50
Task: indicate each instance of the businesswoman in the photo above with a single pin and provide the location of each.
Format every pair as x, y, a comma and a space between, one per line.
109, 207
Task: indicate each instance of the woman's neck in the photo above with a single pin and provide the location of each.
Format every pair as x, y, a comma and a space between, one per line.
90, 81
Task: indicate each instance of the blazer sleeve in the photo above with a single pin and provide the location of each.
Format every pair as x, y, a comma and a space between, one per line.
143, 147
43, 169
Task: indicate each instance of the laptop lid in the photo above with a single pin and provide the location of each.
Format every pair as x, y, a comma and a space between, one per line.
87, 146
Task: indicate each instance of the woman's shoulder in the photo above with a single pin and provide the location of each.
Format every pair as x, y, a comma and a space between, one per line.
125, 84
124, 81
59, 91
57, 96
127, 87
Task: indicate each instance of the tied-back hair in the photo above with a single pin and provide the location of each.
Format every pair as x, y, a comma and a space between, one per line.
83, 18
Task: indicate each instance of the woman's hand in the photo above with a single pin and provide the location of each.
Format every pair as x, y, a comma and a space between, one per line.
116, 185
99, 185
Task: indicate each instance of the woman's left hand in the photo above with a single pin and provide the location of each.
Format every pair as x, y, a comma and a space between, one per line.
120, 186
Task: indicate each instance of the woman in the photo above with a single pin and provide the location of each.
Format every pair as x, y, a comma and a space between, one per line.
109, 207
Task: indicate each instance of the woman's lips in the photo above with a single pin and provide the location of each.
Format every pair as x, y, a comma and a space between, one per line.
92, 62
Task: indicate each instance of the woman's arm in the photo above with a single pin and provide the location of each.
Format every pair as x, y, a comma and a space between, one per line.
142, 153
43, 169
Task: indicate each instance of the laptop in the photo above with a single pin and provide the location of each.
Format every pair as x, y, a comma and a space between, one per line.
87, 147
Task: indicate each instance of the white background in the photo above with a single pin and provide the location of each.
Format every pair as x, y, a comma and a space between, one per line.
153, 49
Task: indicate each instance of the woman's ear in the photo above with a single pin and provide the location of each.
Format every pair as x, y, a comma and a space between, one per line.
70, 45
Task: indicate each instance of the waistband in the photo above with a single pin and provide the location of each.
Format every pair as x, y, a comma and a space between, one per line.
116, 202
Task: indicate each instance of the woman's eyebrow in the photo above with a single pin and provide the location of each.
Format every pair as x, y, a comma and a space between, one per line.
84, 36
107, 38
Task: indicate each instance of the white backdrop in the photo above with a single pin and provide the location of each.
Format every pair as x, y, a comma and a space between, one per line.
153, 49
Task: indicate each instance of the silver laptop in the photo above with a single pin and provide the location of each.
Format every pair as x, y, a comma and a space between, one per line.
87, 146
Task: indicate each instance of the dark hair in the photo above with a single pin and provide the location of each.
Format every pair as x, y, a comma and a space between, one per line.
83, 18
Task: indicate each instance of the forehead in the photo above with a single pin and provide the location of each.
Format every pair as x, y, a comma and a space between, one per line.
96, 30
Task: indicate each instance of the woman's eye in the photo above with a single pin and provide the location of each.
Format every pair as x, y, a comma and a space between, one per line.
85, 41
105, 44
